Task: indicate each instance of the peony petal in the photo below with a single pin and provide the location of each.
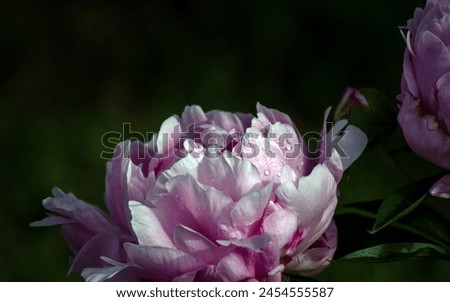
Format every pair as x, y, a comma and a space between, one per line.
443, 88
334, 165
322, 147
314, 201
136, 182
312, 195
161, 264
318, 256
193, 116
274, 115
168, 135
233, 267
226, 120
246, 119
424, 134
270, 155
353, 143
191, 241
349, 145
215, 172
276, 273
254, 243
250, 208
281, 225
283, 133
294, 151
229, 174
430, 47
288, 174
102, 274
50, 221
245, 176
90, 254
442, 187
77, 211
116, 192
147, 227
116, 272
125, 174
188, 277
409, 76
192, 205
184, 166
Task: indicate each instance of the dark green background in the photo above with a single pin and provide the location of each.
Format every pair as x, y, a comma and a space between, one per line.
73, 70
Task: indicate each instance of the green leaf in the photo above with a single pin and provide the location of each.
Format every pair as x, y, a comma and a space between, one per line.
398, 251
402, 202
425, 222
355, 220
428, 224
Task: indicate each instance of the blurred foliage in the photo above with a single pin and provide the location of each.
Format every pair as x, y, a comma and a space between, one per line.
74, 70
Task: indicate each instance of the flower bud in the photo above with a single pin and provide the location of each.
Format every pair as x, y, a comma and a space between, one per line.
370, 110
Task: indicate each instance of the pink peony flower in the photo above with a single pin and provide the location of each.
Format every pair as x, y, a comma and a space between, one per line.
424, 101
214, 196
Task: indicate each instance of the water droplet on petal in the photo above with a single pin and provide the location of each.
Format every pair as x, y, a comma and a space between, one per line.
279, 174
267, 172
289, 147
281, 164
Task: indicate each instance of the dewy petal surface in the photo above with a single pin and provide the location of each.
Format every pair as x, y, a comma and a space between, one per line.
181, 212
